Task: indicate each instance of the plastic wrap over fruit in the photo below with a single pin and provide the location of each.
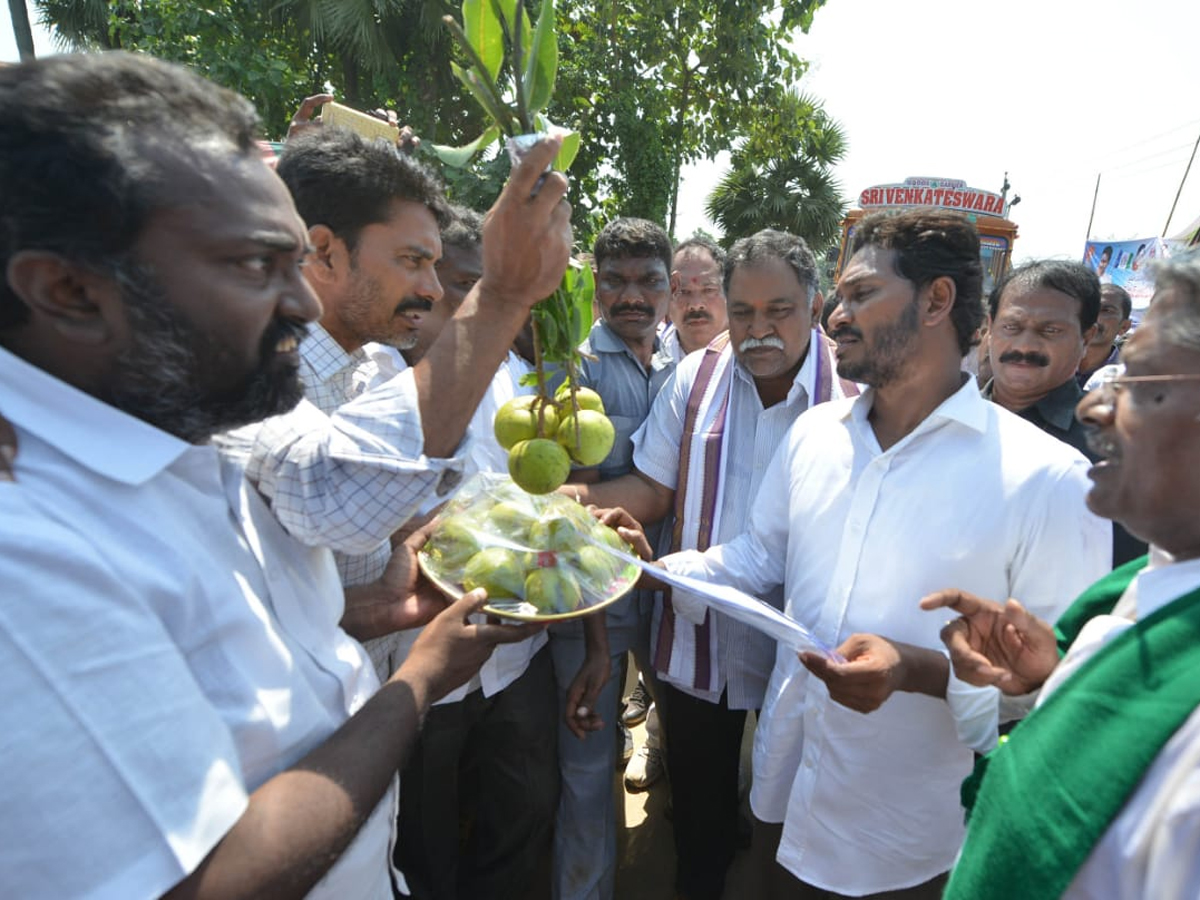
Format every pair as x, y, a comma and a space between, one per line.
530, 552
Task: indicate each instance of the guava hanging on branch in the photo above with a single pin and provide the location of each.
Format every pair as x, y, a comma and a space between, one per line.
510, 70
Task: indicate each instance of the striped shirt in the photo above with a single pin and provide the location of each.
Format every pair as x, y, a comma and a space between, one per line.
346, 468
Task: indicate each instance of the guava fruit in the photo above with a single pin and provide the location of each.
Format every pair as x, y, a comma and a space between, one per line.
591, 444
552, 590
539, 466
497, 570
585, 397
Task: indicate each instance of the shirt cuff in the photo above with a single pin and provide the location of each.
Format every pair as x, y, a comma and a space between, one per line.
686, 604
975, 711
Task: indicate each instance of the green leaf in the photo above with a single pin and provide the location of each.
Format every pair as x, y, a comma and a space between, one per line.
541, 61
566, 153
484, 34
508, 8
498, 114
460, 156
581, 287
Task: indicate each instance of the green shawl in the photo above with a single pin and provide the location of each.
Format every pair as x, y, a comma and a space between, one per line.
1052, 789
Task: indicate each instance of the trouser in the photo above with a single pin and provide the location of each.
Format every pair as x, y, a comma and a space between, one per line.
703, 744
780, 884
585, 832
478, 795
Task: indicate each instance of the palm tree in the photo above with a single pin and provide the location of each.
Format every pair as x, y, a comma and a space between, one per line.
782, 178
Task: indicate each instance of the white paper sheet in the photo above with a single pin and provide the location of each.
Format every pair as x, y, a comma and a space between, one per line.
737, 605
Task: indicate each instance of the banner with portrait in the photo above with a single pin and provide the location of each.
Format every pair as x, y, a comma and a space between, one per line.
1126, 264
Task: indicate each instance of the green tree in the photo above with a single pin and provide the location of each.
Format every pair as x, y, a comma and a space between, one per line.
780, 176
651, 86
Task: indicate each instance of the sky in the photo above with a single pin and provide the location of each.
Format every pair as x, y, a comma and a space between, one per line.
1054, 92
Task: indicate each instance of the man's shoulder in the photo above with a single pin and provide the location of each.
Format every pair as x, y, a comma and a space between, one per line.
1025, 446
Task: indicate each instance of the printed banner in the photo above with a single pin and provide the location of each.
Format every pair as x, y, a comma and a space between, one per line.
1126, 264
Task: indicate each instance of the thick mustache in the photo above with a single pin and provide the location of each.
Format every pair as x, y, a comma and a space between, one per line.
281, 329
1030, 359
754, 343
411, 304
846, 331
699, 315
642, 308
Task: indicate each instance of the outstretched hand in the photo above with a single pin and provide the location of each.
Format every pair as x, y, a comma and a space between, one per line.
527, 233
452, 648
1000, 644
402, 598
306, 117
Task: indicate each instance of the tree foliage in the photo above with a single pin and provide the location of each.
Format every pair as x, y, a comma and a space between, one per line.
781, 177
651, 85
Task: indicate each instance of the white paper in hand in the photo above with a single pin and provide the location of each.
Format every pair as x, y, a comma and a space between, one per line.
737, 605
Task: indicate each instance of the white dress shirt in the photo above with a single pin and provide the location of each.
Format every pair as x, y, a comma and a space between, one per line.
745, 656
973, 498
167, 648
1151, 850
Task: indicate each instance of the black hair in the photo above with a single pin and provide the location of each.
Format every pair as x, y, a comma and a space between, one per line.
627, 237
931, 244
772, 244
464, 229
1122, 296
700, 242
1070, 278
92, 144
346, 182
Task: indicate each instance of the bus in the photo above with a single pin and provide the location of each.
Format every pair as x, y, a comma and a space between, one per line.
986, 210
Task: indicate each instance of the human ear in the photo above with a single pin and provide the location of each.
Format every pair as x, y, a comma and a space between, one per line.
330, 259
76, 302
818, 304
938, 300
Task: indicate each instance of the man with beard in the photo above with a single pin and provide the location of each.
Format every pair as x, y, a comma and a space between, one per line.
702, 453
625, 363
1111, 752
1116, 308
697, 308
183, 714
867, 505
374, 216
1042, 316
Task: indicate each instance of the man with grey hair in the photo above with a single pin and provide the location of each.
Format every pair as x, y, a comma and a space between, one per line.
709, 435
1118, 702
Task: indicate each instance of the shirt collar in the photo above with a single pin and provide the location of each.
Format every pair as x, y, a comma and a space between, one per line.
1164, 581
965, 406
806, 375
325, 357
99, 437
1058, 406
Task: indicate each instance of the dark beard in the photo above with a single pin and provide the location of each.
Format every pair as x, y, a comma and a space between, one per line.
166, 377
889, 351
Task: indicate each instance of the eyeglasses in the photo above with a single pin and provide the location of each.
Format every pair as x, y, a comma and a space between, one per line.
1114, 378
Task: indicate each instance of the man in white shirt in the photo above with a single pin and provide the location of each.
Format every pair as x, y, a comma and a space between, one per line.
182, 713
486, 762
710, 434
1115, 737
865, 506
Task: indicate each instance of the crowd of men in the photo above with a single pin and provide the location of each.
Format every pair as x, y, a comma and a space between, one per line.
232, 398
